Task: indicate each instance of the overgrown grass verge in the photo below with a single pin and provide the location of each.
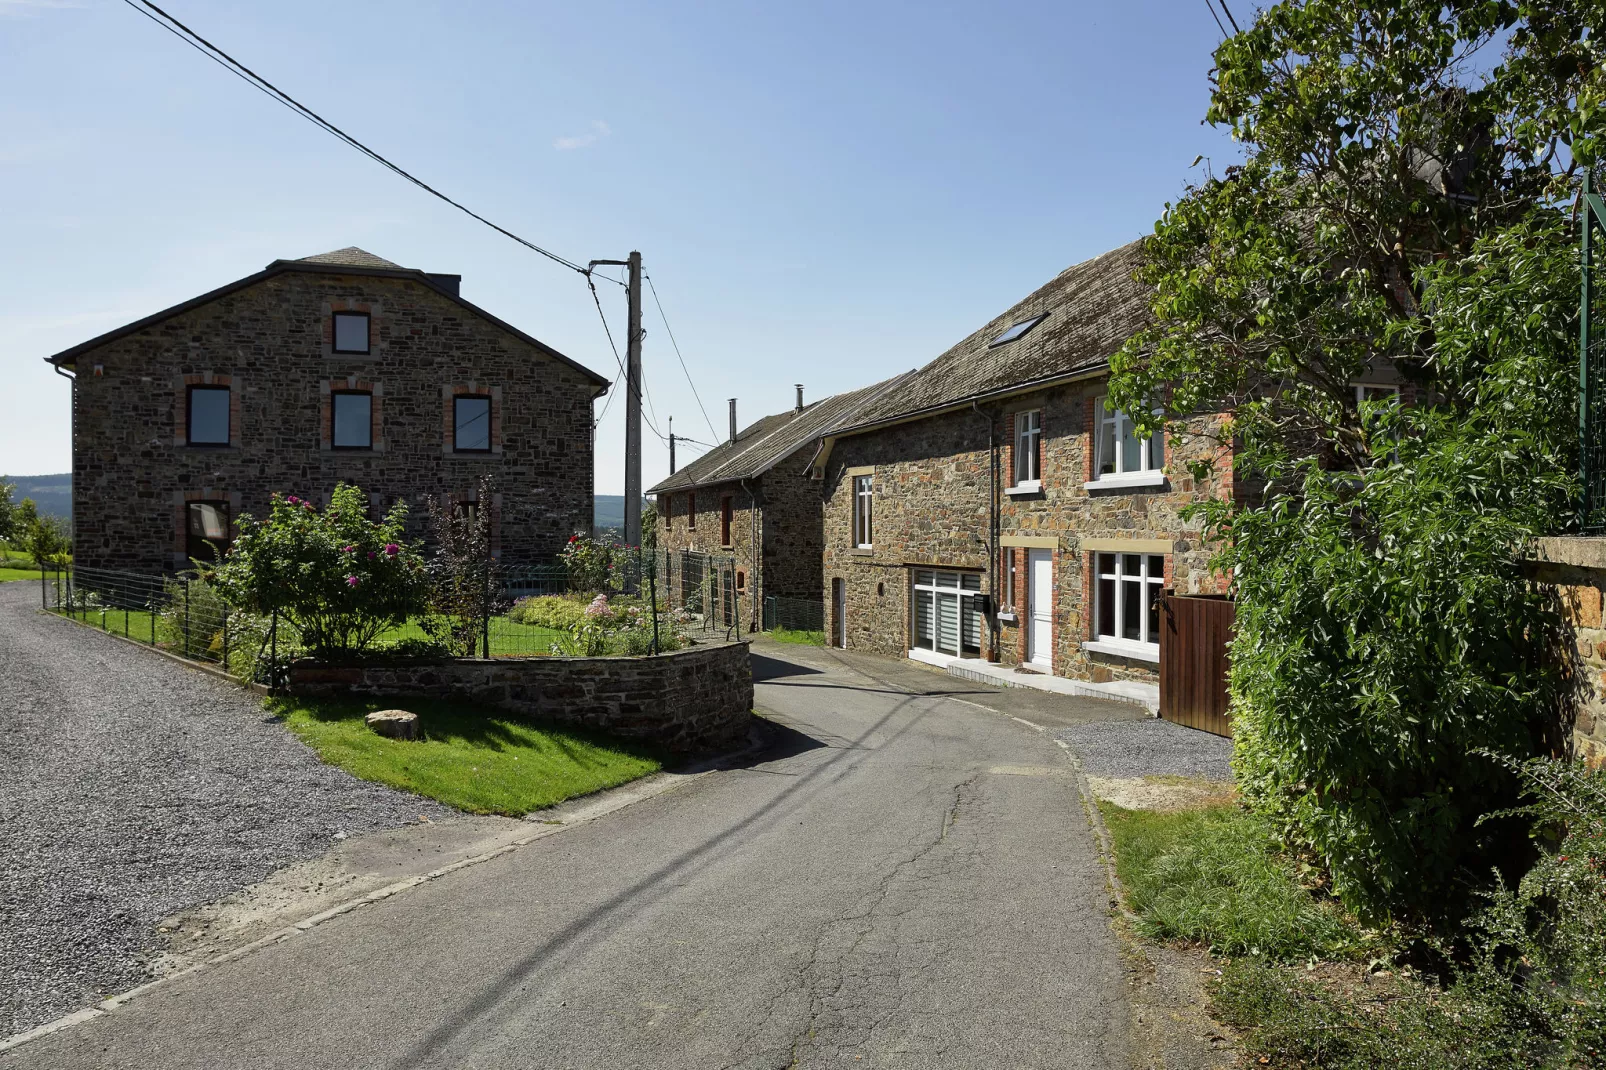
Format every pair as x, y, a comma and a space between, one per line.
1213, 876
471, 758
1308, 987
799, 636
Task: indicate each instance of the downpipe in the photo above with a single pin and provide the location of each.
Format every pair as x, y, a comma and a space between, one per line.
993, 525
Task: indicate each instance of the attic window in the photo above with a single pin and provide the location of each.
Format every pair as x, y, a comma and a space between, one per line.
1017, 331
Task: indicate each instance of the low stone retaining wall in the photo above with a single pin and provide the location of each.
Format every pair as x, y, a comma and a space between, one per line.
1576, 569
687, 702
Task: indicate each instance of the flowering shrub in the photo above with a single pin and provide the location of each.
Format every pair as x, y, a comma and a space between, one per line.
339, 578
591, 564
622, 627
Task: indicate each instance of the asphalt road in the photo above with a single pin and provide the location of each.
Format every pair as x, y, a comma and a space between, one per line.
903, 880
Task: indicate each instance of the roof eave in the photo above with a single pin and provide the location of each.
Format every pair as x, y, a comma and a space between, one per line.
1092, 371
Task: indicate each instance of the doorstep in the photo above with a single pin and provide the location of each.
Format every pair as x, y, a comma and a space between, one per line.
1129, 691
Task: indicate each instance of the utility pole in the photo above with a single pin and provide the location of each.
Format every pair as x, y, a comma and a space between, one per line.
633, 407
632, 397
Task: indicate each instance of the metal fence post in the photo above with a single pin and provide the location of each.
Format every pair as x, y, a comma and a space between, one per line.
652, 593
186, 618
485, 609
273, 656
225, 638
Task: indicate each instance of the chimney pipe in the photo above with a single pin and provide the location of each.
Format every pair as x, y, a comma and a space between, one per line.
733, 419
799, 396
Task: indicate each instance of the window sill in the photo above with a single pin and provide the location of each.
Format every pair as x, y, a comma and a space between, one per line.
1007, 616
1033, 487
1124, 648
1155, 478
862, 551
210, 447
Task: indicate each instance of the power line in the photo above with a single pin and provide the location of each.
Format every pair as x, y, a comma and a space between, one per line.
1227, 11
250, 77
680, 358
1217, 17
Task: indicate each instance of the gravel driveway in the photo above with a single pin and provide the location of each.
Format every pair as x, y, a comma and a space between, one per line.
1149, 747
131, 788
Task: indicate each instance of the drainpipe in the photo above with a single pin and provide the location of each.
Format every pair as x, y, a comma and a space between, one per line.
752, 523
993, 524
72, 446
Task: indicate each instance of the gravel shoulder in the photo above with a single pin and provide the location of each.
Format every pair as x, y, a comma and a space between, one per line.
131, 789
1149, 747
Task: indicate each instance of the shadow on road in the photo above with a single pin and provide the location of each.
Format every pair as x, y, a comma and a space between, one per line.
766, 668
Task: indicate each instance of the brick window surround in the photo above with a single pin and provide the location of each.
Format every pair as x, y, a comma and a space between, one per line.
691, 510
181, 518
181, 407
326, 414
725, 516
376, 323
449, 395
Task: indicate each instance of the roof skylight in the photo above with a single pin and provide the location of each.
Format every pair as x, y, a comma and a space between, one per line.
1016, 331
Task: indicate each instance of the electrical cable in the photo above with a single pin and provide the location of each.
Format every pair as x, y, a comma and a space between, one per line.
250, 77
1217, 17
680, 358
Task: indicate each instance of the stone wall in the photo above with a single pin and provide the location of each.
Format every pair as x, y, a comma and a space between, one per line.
931, 481
794, 528
690, 701
269, 343
1576, 569
677, 531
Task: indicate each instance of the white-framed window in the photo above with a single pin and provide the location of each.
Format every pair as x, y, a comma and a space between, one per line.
947, 612
863, 508
1029, 448
1375, 392
1126, 602
1121, 456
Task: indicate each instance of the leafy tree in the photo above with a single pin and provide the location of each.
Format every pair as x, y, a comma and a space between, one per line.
8, 512
464, 573
1401, 206
40, 536
340, 578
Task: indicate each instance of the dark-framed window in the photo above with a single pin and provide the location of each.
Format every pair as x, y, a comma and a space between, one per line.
691, 510
351, 332
863, 505
207, 418
725, 521
471, 423
206, 529
466, 510
351, 420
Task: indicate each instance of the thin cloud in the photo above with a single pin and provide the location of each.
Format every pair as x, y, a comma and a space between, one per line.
599, 130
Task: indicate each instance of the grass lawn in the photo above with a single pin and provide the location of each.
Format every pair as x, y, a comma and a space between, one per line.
475, 759
134, 623
7, 574
795, 635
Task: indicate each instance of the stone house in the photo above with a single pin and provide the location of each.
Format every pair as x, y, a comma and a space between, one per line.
751, 499
991, 508
342, 367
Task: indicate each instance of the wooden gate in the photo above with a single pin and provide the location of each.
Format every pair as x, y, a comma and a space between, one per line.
1194, 633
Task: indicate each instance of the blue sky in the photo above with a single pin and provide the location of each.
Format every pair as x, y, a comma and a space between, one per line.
826, 193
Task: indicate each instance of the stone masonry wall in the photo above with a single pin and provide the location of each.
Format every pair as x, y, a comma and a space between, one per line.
133, 472
678, 532
1575, 568
687, 702
931, 488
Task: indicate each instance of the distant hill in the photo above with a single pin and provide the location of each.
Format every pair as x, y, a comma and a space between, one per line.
52, 494
609, 510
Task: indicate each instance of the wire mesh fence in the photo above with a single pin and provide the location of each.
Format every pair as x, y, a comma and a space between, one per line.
795, 615
651, 602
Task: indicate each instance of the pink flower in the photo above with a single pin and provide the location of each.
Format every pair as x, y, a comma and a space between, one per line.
370, 555
391, 549
351, 581
292, 499
349, 549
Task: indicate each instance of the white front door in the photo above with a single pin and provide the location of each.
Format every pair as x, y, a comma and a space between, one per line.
1040, 609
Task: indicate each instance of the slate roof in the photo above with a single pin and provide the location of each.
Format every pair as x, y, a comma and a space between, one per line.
351, 256
350, 260
765, 443
1090, 309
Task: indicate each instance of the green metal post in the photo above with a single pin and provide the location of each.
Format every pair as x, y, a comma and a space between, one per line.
1586, 385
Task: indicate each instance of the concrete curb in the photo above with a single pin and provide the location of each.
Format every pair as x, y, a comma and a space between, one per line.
574, 812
